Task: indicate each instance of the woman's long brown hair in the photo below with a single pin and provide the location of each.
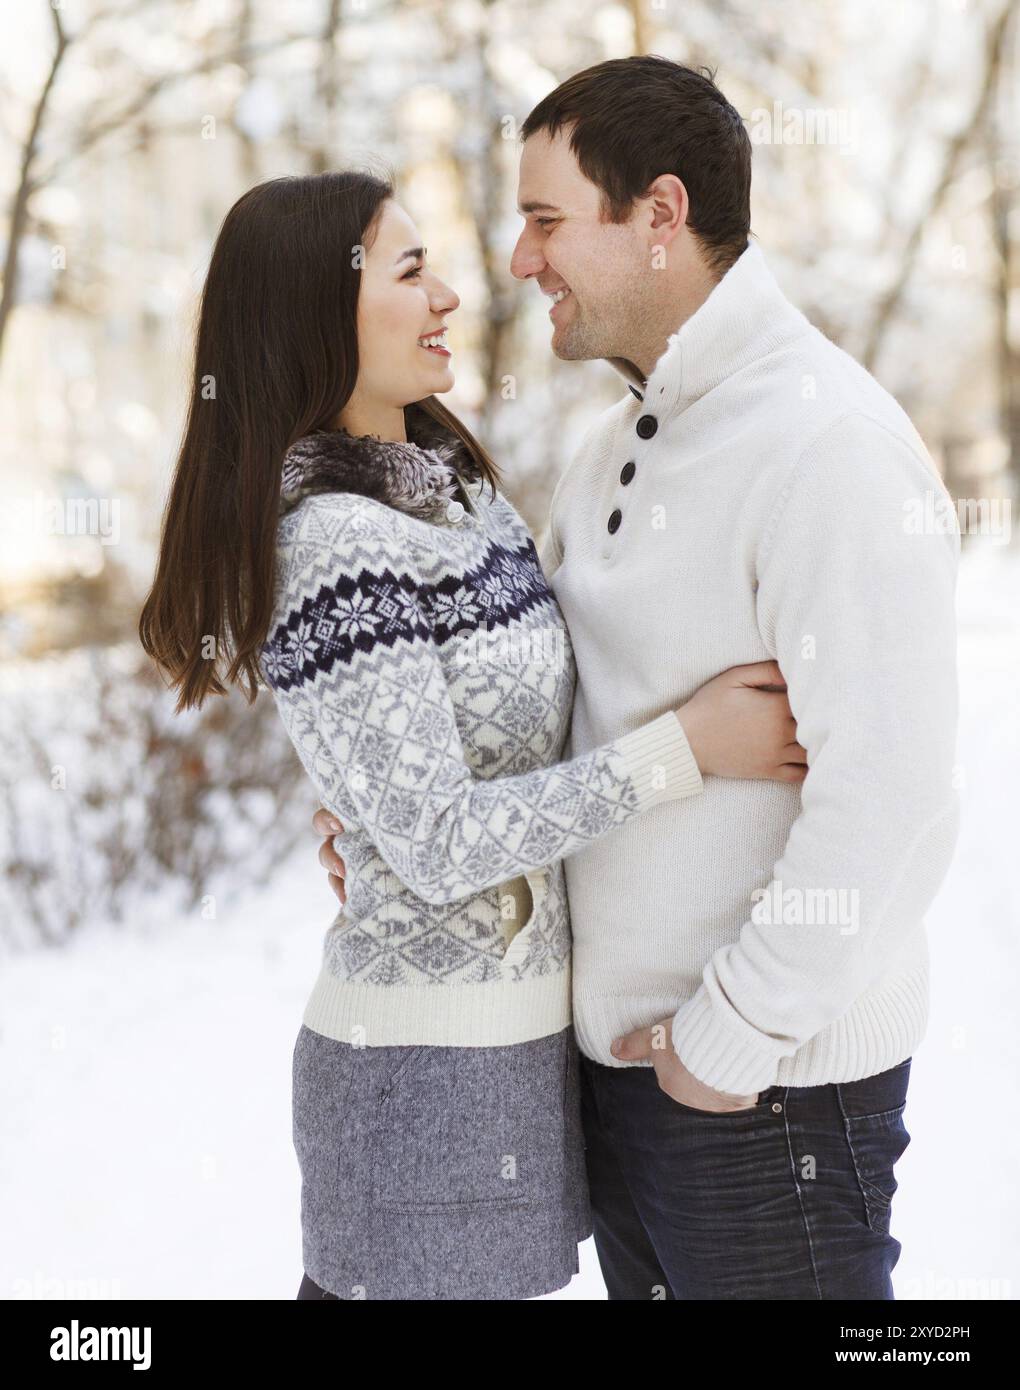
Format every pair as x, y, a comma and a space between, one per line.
276, 358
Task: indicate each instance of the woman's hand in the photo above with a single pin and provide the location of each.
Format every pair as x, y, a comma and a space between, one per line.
739, 724
327, 825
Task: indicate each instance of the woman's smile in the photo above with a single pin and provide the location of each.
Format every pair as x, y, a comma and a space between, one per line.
436, 343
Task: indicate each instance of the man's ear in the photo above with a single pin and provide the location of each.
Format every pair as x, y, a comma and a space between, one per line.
668, 207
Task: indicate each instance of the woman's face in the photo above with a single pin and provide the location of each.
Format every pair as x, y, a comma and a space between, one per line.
400, 304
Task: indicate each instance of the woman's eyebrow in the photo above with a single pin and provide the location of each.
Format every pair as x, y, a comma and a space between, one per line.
414, 253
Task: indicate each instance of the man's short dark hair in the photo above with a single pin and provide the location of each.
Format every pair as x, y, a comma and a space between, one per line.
632, 119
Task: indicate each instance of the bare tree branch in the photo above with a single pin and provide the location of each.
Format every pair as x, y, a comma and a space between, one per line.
18, 217
890, 301
239, 54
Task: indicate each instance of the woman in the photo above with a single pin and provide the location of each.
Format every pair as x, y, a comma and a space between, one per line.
329, 529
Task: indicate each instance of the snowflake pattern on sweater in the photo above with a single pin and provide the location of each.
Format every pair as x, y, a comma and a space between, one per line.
356, 613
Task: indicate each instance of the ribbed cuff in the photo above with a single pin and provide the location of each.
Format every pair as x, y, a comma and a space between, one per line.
727, 1056
660, 761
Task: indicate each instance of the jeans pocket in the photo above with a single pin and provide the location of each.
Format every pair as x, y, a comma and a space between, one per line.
763, 1099
876, 1143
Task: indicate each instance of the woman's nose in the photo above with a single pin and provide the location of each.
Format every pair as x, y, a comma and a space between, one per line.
445, 299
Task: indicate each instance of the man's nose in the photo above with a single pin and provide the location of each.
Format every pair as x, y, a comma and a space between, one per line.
526, 259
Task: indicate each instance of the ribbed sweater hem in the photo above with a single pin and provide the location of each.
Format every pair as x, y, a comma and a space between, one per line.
495, 1014
883, 1028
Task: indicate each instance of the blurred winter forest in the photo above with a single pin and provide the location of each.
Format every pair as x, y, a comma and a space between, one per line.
887, 169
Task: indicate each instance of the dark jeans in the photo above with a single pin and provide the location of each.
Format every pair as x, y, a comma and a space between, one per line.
788, 1199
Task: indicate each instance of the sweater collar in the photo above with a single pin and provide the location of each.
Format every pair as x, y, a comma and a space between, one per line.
422, 477
745, 317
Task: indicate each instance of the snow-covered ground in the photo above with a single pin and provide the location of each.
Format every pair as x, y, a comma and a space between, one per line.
145, 1145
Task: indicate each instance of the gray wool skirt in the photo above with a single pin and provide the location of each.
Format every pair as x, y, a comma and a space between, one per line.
440, 1172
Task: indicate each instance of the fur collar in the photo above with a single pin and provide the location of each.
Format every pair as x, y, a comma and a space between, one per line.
421, 477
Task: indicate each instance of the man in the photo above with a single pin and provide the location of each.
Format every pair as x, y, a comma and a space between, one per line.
750, 967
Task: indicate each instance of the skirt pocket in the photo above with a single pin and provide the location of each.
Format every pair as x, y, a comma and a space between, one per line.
467, 1128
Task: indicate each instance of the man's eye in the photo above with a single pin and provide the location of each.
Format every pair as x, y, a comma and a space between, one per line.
544, 221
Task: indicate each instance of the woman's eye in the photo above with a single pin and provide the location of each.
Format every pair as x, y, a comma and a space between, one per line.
412, 273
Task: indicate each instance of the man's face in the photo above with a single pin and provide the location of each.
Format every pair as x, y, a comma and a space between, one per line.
565, 245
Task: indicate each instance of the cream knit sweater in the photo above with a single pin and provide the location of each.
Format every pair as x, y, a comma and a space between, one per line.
758, 502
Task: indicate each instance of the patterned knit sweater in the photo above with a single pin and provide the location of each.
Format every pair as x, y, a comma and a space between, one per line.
425, 675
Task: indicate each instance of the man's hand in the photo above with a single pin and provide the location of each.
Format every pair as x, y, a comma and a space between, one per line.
656, 1043
327, 825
